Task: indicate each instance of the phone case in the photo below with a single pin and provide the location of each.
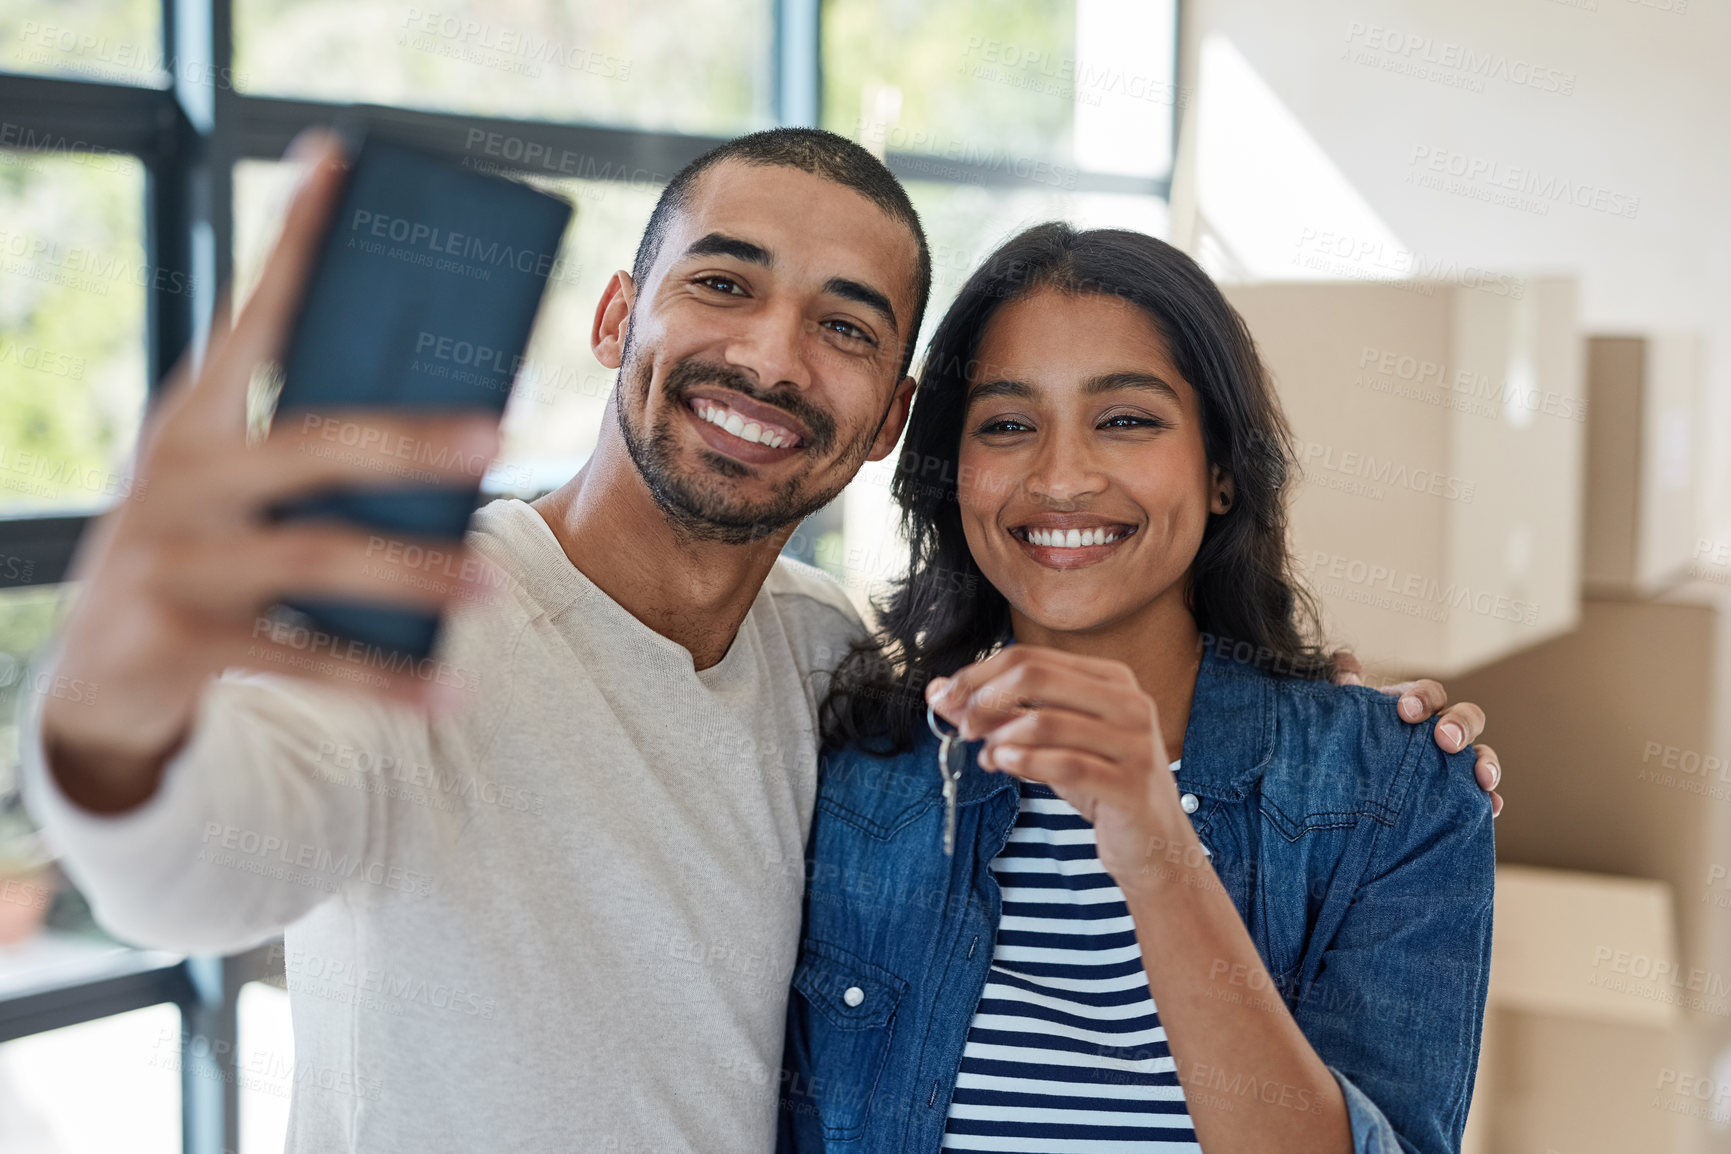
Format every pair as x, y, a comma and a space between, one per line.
423, 298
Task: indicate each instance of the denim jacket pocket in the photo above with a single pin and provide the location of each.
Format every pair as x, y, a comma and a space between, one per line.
849, 1005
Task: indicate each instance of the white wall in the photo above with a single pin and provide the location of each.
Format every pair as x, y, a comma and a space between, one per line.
1638, 107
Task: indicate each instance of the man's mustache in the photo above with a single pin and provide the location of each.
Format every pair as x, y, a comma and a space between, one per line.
691, 372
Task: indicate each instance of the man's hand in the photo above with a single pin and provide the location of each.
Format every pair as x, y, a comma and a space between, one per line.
1457, 726
175, 578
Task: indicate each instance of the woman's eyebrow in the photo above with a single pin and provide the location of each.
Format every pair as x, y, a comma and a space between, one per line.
1111, 382
1103, 383
1001, 387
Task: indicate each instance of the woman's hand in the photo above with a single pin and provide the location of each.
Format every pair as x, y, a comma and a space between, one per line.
1083, 726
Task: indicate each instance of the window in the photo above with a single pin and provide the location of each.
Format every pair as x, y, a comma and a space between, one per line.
72, 303
678, 65
115, 235
117, 41
1036, 91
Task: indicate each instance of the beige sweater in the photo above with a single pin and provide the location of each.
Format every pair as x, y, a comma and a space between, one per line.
563, 920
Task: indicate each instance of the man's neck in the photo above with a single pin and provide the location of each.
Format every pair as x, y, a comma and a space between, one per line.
694, 593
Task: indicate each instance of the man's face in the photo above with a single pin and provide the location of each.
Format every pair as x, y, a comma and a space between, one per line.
760, 360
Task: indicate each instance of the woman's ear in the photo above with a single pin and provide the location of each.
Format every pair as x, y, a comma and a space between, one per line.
1224, 494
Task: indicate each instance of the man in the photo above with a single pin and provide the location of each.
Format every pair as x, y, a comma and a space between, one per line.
560, 915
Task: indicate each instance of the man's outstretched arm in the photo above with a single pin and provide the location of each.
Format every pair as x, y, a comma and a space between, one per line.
155, 769
173, 581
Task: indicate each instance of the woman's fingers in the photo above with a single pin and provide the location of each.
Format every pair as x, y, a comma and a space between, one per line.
1062, 729
1070, 770
983, 696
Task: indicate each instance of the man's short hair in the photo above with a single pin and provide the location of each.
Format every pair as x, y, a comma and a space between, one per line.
813, 150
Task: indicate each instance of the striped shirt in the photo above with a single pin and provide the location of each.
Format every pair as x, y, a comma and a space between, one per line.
1065, 1052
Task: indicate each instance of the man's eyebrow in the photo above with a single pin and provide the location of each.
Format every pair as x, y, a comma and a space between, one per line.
865, 295
720, 244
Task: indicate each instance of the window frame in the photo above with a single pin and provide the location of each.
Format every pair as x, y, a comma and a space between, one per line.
189, 136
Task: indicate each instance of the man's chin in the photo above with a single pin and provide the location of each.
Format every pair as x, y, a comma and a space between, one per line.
722, 507
711, 495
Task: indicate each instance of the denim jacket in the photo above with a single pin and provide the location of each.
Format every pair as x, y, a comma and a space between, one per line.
1358, 854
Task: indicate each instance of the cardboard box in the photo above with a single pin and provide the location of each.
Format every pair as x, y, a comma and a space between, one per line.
1616, 740
1643, 395
1579, 1031
1441, 432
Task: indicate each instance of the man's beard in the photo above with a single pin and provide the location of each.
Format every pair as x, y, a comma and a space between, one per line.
698, 507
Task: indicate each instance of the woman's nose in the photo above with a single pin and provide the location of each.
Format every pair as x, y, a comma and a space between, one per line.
1063, 470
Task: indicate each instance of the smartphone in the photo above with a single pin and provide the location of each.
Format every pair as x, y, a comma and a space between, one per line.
422, 298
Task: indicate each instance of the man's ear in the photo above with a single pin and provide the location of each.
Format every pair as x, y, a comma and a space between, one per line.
1223, 492
612, 316
897, 416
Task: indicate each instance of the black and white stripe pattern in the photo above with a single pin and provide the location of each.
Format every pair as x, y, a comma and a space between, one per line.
1065, 1052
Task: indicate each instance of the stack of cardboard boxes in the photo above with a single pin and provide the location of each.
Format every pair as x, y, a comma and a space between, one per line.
1477, 507
1618, 740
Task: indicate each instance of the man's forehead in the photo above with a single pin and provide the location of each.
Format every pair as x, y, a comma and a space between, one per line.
805, 221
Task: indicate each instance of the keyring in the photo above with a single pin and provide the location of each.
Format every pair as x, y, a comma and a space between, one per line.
932, 723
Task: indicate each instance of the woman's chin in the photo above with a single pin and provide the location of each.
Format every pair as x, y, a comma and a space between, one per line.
1068, 615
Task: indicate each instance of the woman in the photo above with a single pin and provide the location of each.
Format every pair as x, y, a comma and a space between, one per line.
1198, 895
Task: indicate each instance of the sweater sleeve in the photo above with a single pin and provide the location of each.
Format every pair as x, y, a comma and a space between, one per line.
262, 815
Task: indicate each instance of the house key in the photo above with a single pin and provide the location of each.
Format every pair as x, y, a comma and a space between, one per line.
951, 773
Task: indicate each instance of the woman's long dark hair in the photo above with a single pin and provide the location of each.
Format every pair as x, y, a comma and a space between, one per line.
943, 614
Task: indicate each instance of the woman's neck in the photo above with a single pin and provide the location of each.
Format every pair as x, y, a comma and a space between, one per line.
1161, 644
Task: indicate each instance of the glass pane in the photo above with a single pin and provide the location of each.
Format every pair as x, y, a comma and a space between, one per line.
687, 65
30, 888
118, 41
555, 411
265, 1063
964, 223
131, 1061
94, 1088
72, 307
1077, 84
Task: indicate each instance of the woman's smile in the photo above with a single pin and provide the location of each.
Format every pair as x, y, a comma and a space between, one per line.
1070, 541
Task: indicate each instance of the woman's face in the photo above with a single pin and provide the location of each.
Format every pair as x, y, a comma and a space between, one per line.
1083, 483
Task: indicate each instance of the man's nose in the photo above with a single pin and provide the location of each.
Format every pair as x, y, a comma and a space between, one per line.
771, 346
